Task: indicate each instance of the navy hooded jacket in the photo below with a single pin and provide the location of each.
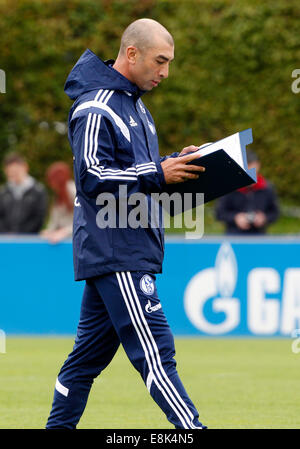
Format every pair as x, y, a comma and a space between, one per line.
114, 143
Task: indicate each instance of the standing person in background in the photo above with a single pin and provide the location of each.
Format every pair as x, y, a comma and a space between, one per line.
60, 224
249, 211
23, 200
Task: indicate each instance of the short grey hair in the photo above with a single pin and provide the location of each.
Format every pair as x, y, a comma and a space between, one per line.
142, 33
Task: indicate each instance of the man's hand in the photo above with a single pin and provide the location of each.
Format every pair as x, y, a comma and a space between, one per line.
260, 219
176, 169
189, 149
242, 222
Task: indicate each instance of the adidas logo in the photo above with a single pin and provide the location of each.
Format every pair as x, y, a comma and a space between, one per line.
132, 122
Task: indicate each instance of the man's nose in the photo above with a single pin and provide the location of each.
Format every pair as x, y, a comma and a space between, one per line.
164, 72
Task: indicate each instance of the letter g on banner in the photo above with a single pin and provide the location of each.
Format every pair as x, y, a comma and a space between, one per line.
216, 284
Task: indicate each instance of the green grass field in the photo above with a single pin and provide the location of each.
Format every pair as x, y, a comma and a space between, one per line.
235, 383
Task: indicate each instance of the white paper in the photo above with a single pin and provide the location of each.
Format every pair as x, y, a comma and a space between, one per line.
231, 145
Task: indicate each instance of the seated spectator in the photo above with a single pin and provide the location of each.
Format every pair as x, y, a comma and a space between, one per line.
251, 209
23, 200
60, 223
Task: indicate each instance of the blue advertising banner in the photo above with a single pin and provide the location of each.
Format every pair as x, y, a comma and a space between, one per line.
212, 286
232, 286
38, 292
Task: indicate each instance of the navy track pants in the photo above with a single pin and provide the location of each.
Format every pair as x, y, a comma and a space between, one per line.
121, 308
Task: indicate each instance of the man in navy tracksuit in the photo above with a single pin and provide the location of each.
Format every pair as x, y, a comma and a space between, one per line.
114, 143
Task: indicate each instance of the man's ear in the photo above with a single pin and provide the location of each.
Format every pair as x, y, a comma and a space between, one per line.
131, 53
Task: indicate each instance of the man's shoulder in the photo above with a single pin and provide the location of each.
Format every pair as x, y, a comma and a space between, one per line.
98, 101
3, 189
38, 187
101, 96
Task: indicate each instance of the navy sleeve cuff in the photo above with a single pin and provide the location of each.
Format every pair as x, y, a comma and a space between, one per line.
161, 176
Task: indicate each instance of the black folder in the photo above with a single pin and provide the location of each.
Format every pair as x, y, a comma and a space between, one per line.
223, 174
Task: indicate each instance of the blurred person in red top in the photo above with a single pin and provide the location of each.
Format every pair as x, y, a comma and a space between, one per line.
248, 211
60, 224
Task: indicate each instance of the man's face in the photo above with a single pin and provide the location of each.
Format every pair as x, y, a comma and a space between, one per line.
151, 65
16, 172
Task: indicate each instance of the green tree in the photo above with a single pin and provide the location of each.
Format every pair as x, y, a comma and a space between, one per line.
232, 70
